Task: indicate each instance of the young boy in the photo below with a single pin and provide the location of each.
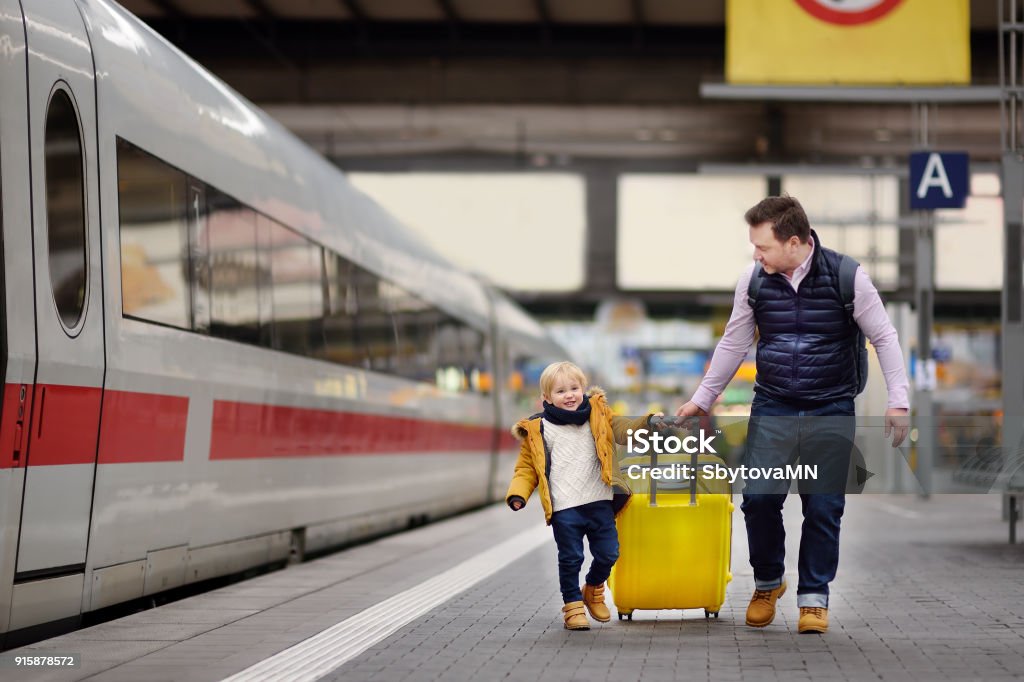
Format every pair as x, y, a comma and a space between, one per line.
568, 452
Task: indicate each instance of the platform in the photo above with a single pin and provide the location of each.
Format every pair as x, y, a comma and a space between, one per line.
926, 590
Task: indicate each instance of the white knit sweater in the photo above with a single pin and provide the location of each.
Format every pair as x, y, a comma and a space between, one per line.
575, 469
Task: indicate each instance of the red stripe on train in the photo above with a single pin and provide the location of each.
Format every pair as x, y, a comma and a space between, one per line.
14, 426
142, 427
247, 430
64, 421
62, 427
145, 427
507, 441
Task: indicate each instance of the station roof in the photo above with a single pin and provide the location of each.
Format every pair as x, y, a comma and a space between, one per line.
565, 12
579, 78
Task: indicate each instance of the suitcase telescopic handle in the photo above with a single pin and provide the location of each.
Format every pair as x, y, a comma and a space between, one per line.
693, 479
661, 424
653, 497
653, 490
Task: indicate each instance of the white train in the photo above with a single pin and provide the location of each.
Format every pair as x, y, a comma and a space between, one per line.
216, 352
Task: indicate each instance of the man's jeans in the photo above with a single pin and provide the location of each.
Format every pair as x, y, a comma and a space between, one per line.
781, 434
595, 520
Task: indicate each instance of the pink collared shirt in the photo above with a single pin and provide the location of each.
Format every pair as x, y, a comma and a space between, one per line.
868, 312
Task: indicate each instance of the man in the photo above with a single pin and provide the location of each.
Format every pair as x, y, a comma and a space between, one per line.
807, 379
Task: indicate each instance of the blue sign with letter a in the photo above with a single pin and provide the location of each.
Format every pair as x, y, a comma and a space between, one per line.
938, 180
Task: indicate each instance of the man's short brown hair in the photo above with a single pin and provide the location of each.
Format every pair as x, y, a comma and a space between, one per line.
786, 216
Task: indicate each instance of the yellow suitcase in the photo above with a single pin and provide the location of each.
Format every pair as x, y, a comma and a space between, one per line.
674, 541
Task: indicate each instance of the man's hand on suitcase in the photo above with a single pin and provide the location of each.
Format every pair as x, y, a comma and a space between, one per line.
659, 422
690, 414
690, 409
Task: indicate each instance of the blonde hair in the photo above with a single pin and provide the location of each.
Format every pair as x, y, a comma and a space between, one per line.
557, 369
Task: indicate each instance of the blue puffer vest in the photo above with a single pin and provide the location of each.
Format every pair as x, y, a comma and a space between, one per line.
806, 351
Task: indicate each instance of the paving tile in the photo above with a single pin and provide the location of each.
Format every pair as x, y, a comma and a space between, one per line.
893, 614
927, 598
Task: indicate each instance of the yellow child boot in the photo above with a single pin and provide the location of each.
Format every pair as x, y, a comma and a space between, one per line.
593, 598
575, 618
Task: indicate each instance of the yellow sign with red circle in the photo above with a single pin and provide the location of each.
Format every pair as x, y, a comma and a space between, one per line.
848, 42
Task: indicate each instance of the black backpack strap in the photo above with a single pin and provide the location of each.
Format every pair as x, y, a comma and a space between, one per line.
847, 274
754, 286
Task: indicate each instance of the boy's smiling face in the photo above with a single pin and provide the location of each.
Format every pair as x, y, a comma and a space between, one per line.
566, 393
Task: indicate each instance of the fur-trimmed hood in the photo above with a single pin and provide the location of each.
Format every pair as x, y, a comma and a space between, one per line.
520, 429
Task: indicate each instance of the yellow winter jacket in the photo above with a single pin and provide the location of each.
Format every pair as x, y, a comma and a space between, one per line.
532, 467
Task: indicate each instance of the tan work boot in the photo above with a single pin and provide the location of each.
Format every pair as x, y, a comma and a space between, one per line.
813, 619
575, 618
761, 611
593, 598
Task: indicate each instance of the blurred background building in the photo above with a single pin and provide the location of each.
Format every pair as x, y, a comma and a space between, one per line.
578, 155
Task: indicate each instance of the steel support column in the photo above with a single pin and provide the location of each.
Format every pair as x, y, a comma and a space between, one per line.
1011, 79
602, 215
924, 298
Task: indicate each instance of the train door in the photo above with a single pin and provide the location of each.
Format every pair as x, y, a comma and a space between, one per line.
18, 341
62, 443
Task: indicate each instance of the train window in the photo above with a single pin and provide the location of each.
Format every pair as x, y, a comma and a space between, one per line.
265, 228
523, 380
234, 282
375, 329
199, 257
472, 343
451, 369
193, 257
152, 207
296, 266
340, 325
415, 324
462, 358
65, 208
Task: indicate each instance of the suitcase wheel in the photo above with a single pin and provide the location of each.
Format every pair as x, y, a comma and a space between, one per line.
708, 614
625, 615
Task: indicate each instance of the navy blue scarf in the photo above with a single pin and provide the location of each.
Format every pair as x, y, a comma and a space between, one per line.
557, 415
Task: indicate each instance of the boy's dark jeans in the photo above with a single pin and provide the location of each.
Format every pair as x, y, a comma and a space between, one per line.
781, 434
595, 520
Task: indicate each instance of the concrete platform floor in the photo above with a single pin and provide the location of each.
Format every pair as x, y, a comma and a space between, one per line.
926, 590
